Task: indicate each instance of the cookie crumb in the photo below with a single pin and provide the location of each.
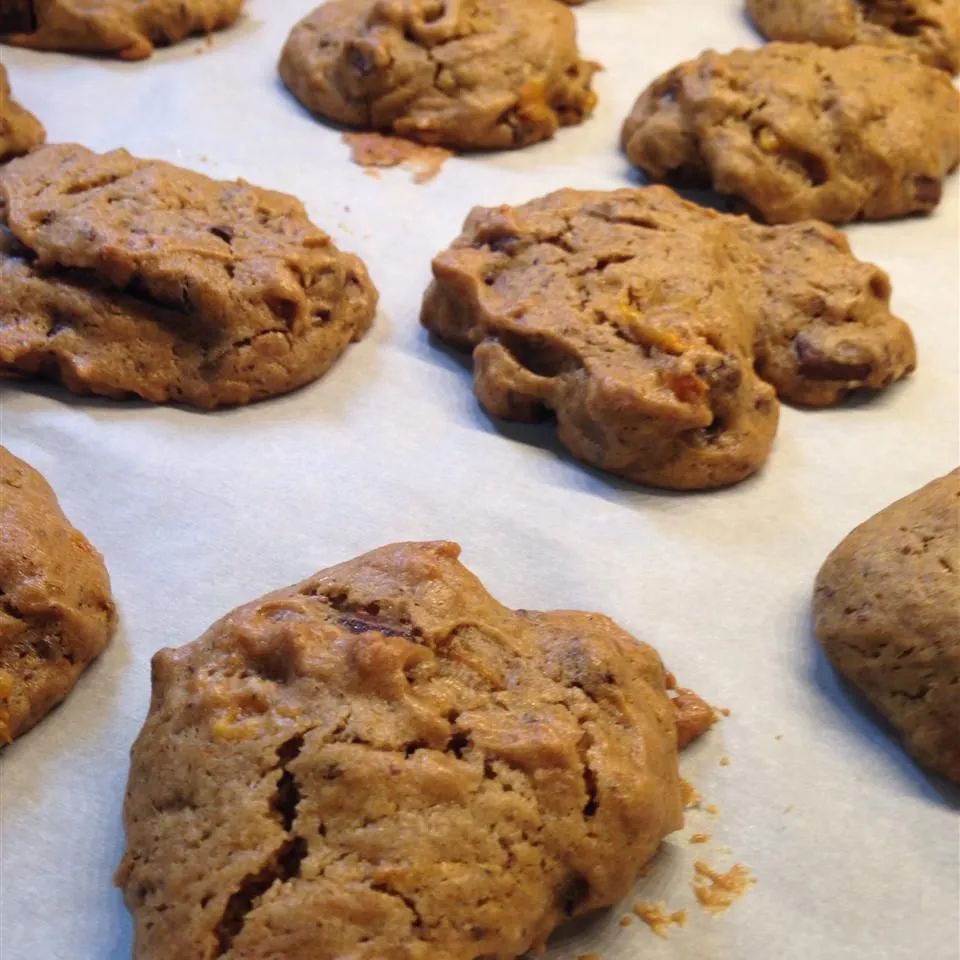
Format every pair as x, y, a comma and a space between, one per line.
626, 920
700, 838
690, 795
718, 891
374, 150
724, 761
725, 711
712, 809
656, 917
694, 716
779, 736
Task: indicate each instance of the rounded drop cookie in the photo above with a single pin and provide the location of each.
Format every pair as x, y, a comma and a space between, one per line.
128, 277
464, 74
56, 609
887, 613
926, 29
384, 761
20, 130
128, 29
659, 333
798, 131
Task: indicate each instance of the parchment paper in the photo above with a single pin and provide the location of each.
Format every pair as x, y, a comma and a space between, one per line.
854, 849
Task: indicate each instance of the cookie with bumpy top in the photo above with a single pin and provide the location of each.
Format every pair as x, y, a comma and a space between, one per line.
129, 29
465, 74
121, 276
20, 130
926, 29
658, 332
384, 761
887, 613
56, 609
798, 131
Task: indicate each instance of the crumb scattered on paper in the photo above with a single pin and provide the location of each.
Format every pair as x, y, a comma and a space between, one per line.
779, 736
725, 711
724, 761
718, 891
694, 716
689, 794
659, 919
712, 809
700, 838
626, 920
374, 150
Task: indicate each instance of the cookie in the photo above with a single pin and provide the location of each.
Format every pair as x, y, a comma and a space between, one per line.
128, 29
927, 29
798, 131
20, 130
887, 612
464, 74
56, 610
383, 761
127, 277
657, 332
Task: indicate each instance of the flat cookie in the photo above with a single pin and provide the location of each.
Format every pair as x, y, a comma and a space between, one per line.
799, 131
384, 762
465, 74
658, 332
20, 130
927, 29
124, 277
128, 29
56, 611
887, 612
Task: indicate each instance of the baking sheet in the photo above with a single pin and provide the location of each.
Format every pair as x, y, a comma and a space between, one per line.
855, 851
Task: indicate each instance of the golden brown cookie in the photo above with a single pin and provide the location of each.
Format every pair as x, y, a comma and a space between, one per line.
128, 29
20, 130
124, 277
927, 29
658, 332
887, 612
465, 74
384, 762
56, 610
799, 131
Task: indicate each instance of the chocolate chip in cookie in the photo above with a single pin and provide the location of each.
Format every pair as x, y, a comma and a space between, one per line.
127, 277
56, 610
797, 131
658, 332
383, 761
887, 613
464, 74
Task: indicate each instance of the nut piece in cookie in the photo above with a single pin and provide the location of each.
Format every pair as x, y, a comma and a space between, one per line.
128, 29
56, 610
20, 130
383, 761
927, 29
798, 131
124, 277
887, 612
659, 332
464, 74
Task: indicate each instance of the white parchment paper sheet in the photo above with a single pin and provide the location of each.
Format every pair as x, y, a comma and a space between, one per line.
855, 850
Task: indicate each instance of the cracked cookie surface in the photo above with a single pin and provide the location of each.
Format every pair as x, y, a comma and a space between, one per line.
121, 276
20, 130
56, 610
464, 74
926, 29
659, 332
383, 762
129, 29
887, 613
799, 131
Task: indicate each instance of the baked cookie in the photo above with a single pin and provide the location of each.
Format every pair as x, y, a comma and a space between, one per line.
799, 131
20, 130
56, 611
383, 761
887, 612
128, 29
658, 332
927, 29
124, 277
465, 74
